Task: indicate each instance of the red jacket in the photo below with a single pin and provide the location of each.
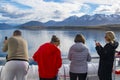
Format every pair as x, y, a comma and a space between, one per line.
49, 60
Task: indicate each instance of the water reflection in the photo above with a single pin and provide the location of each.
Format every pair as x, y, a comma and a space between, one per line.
36, 38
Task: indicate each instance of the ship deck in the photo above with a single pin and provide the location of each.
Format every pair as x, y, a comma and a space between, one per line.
64, 70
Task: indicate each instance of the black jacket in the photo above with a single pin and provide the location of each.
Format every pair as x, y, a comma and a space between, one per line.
106, 54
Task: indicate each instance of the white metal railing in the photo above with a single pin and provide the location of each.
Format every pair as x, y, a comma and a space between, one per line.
93, 67
115, 67
64, 70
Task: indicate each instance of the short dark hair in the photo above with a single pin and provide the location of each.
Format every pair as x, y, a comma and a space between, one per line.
79, 38
17, 33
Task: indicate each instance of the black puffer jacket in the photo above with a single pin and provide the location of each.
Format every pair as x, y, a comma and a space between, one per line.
106, 54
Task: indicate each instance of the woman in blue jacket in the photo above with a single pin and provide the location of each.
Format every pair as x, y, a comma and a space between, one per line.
106, 54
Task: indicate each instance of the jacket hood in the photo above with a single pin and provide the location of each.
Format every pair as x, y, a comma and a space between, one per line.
79, 47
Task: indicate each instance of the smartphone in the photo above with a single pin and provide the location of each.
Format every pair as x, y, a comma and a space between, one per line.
95, 41
5, 37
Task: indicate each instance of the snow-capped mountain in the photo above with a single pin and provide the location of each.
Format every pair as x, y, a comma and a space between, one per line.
85, 20
88, 20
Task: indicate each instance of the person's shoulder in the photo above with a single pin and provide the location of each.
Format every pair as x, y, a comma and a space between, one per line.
47, 43
75, 45
11, 38
82, 45
22, 38
79, 44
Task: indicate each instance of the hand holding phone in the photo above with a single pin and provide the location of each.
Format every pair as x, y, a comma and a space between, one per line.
5, 37
97, 43
5, 41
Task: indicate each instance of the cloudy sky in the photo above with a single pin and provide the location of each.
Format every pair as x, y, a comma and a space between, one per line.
21, 11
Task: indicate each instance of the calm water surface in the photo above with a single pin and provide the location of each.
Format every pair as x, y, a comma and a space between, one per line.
37, 38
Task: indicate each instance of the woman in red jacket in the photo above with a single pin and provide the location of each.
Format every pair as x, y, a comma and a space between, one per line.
48, 58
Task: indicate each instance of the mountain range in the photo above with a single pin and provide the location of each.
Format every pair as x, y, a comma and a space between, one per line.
5, 26
85, 20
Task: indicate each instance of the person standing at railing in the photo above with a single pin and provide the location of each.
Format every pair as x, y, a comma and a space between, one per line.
48, 58
106, 54
79, 56
17, 58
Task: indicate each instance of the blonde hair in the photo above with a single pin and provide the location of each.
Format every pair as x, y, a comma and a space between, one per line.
110, 35
79, 38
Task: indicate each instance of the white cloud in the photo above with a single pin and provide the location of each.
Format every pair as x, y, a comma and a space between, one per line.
8, 10
103, 9
116, 8
48, 9
109, 9
110, 2
105, 6
3, 19
43, 11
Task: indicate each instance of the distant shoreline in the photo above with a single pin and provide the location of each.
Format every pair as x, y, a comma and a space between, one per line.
115, 28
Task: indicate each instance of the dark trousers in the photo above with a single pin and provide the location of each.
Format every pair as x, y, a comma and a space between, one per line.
105, 71
80, 76
55, 78
103, 76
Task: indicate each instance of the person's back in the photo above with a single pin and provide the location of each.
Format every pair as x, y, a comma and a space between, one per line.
49, 60
17, 58
79, 56
48, 54
17, 48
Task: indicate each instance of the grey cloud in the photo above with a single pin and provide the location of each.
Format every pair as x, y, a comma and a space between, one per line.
117, 11
3, 21
12, 15
104, 10
57, 14
56, 17
5, 13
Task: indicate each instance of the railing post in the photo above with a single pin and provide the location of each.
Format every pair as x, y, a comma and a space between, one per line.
114, 68
64, 73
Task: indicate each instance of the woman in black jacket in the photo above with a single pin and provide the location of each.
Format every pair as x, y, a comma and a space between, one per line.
106, 54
